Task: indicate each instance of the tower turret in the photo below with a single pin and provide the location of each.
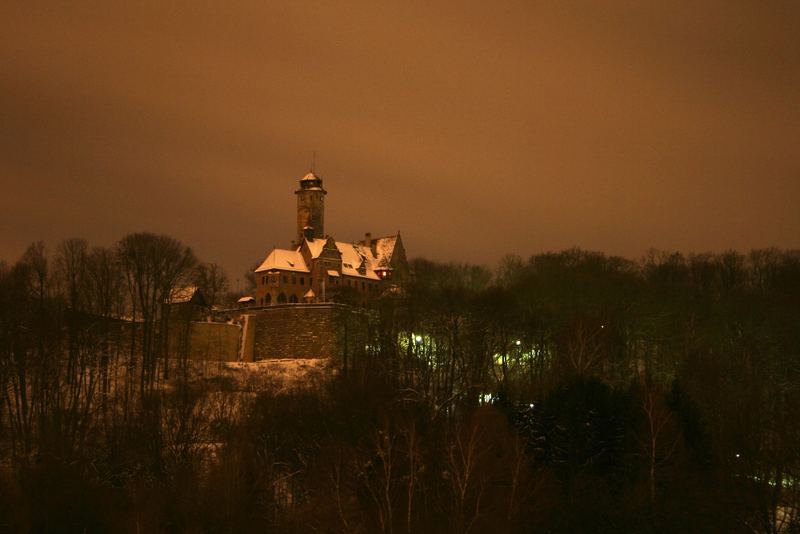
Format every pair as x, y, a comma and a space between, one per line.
310, 208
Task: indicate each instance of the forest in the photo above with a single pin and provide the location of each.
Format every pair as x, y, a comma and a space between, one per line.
570, 391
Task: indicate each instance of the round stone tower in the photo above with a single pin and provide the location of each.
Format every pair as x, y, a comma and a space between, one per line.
310, 208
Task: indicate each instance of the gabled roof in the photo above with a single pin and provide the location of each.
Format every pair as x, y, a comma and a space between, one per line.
316, 246
353, 257
358, 259
384, 248
284, 260
354, 261
180, 295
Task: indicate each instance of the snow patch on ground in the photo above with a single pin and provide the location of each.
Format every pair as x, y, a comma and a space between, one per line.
279, 375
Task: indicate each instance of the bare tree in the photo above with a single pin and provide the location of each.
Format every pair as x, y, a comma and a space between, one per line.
212, 282
153, 265
659, 438
105, 294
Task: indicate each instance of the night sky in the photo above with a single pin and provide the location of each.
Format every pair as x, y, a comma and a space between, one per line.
474, 128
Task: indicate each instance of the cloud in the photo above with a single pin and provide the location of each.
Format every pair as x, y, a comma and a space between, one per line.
475, 129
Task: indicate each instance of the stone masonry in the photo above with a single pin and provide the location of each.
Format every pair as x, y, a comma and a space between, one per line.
310, 331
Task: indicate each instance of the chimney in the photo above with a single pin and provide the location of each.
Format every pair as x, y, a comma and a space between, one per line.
367, 238
308, 233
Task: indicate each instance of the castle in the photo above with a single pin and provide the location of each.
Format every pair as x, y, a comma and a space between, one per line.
309, 301
317, 268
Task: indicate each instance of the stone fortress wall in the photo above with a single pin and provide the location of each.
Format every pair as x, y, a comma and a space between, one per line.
288, 331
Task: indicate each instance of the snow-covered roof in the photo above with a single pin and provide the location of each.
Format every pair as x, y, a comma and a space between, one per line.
309, 294
244, 300
311, 182
284, 260
353, 258
384, 248
315, 246
358, 259
183, 294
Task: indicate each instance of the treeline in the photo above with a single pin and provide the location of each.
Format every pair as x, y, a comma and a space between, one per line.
659, 395
569, 392
83, 367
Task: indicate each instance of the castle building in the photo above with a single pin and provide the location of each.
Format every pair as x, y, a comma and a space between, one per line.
317, 268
